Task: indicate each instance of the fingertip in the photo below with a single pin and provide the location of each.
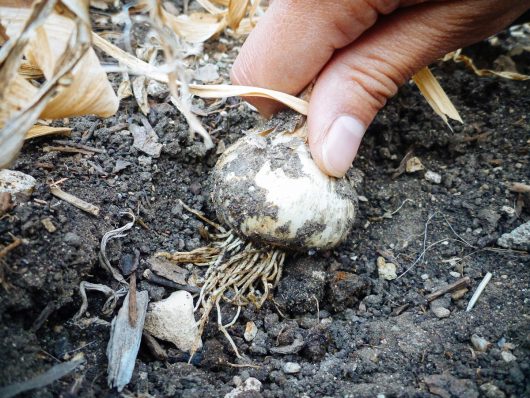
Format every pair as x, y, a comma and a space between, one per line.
335, 149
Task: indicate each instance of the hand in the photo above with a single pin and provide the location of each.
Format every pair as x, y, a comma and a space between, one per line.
360, 51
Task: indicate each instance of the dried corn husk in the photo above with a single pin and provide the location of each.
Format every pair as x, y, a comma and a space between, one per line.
435, 95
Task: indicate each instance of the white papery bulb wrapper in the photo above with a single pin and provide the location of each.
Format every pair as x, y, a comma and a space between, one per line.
269, 190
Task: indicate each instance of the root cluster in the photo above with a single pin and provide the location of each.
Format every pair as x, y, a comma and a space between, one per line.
238, 273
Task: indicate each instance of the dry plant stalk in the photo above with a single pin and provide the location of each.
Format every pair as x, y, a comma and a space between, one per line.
235, 270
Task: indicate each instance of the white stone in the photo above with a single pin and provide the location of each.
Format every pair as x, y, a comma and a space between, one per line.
291, 368
207, 73
433, 177
508, 356
414, 164
250, 384
441, 312
455, 274
250, 331
172, 320
479, 343
16, 183
386, 270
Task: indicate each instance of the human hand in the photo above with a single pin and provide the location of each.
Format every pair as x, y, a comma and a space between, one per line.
360, 52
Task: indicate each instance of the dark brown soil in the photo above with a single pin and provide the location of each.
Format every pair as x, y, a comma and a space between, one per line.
374, 336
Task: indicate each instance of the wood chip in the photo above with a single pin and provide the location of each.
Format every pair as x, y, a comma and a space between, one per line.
48, 224
75, 201
124, 342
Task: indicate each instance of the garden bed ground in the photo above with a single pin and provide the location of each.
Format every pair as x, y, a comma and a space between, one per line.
373, 336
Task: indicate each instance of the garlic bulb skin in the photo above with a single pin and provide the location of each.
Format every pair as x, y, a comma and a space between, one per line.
269, 190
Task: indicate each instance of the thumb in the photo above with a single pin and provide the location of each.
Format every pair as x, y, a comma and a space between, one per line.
359, 79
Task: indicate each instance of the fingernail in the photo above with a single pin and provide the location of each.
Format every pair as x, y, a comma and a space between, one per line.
341, 144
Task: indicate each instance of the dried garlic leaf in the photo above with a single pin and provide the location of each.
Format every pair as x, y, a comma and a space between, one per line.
456, 56
236, 11
41, 131
205, 91
89, 91
435, 95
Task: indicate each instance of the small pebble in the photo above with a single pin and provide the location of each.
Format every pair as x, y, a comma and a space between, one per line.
414, 164
386, 270
457, 295
433, 177
250, 331
72, 239
455, 274
480, 344
441, 312
508, 356
424, 276
291, 368
492, 391
250, 384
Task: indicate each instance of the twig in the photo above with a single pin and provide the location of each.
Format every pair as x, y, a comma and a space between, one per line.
133, 314
478, 292
16, 242
73, 200
201, 216
152, 277
66, 149
80, 146
449, 288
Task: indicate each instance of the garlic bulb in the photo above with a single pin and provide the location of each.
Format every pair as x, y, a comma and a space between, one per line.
269, 190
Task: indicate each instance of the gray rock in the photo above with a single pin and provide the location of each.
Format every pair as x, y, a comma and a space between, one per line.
508, 356
519, 238
291, 367
445, 385
492, 391
72, 239
433, 177
441, 312
259, 343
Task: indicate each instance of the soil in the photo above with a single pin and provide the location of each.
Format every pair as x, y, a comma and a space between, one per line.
363, 336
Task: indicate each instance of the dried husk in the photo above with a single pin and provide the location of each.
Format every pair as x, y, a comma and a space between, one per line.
435, 95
